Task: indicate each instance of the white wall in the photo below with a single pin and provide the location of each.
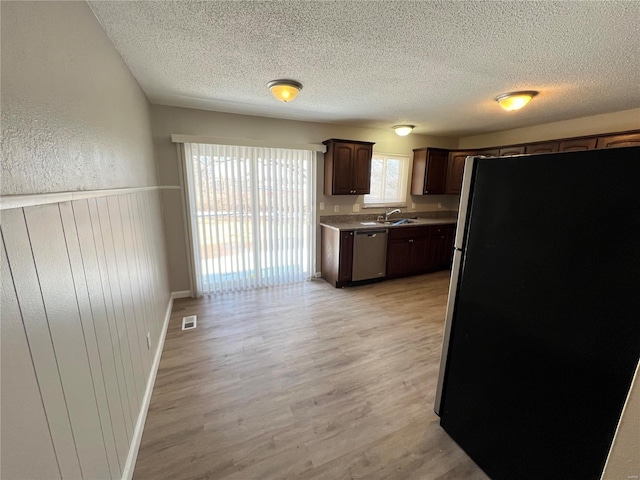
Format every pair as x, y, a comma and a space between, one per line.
73, 116
173, 120
83, 282
577, 127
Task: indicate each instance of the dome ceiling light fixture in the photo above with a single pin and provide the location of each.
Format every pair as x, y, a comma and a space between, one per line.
515, 100
403, 130
284, 90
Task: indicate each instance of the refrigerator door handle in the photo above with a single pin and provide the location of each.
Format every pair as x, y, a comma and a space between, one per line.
453, 289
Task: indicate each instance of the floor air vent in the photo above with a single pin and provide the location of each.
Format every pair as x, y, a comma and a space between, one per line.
189, 323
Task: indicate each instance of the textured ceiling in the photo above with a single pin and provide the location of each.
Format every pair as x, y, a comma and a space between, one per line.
434, 64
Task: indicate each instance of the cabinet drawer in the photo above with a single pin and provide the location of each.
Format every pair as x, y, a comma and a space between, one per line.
442, 229
408, 232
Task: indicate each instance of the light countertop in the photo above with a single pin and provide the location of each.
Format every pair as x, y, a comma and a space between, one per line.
351, 223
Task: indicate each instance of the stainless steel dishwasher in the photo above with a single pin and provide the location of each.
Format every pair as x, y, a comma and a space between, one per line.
369, 255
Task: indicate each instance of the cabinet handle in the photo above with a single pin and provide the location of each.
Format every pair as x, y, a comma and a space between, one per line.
411, 241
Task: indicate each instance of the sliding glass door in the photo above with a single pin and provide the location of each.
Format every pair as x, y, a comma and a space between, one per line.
251, 214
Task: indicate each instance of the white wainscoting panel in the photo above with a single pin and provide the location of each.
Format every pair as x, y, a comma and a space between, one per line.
83, 284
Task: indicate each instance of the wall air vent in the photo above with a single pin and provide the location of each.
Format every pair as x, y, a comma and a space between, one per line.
189, 323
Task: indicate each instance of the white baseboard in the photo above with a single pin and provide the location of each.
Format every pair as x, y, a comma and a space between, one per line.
127, 474
181, 294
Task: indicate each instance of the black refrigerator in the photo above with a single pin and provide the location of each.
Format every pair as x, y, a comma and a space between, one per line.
542, 331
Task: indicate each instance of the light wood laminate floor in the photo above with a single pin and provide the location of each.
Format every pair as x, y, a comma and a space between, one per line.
305, 382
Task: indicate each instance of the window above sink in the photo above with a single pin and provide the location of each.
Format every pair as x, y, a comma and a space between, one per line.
389, 179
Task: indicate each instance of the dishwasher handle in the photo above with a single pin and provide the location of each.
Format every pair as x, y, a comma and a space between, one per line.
370, 233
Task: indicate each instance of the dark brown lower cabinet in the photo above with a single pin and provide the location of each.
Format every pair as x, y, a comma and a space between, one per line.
441, 246
410, 251
407, 251
336, 256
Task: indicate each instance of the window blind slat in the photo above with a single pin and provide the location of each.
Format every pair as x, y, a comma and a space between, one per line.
251, 212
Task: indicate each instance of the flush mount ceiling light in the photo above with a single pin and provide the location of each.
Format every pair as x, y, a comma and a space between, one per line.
285, 90
515, 100
403, 130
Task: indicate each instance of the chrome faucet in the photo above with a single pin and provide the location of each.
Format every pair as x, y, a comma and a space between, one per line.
388, 213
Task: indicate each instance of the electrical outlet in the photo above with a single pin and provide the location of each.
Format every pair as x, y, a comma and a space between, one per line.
413, 205
321, 205
356, 207
336, 208
439, 205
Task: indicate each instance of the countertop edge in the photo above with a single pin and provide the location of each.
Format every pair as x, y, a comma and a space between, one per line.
352, 226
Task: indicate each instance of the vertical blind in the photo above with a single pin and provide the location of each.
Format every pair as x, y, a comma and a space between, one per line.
252, 216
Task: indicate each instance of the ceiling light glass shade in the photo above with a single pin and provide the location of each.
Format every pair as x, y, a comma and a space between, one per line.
284, 90
515, 100
403, 130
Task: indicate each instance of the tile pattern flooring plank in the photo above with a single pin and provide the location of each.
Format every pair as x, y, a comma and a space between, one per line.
304, 382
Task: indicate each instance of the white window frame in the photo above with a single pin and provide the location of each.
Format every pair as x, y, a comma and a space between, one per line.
405, 166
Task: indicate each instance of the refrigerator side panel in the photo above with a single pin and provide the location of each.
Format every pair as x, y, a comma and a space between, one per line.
464, 201
453, 288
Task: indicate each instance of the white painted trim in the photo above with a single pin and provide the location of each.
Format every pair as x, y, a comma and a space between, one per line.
186, 208
181, 294
18, 201
246, 142
129, 466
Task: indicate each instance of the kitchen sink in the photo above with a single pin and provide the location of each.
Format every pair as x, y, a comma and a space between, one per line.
399, 221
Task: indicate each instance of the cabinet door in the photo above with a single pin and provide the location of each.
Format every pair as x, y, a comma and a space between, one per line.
455, 171
549, 147
449, 240
436, 171
343, 154
346, 257
488, 152
441, 247
615, 141
578, 144
398, 252
508, 151
361, 175
418, 255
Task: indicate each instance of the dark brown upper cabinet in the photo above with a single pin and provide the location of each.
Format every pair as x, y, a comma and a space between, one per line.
438, 171
429, 171
588, 143
455, 171
347, 167
615, 141
548, 147
487, 152
509, 151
